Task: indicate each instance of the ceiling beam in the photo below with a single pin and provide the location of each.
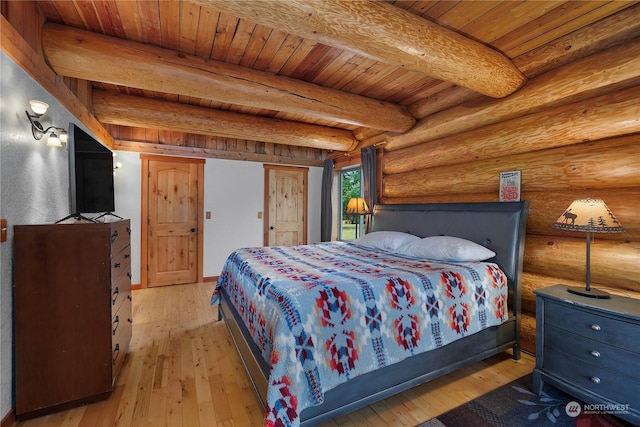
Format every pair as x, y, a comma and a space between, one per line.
127, 110
90, 56
178, 150
379, 30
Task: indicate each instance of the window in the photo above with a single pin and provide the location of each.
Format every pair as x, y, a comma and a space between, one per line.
351, 226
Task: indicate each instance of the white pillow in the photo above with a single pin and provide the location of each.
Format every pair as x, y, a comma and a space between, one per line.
386, 240
446, 248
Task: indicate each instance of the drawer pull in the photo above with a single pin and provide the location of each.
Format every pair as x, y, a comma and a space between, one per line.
116, 265
114, 237
595, 353
114, 296
114, 356
595, 327
129, 298
116, 323
595, 380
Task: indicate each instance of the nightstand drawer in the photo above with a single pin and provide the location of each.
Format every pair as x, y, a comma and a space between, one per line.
596, 327
593, 352
624, 390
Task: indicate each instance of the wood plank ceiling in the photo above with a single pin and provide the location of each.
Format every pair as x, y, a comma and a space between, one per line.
302, 79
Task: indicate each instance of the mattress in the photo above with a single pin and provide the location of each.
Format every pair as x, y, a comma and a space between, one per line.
323, 314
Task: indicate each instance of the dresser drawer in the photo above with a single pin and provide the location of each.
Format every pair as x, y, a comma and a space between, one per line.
611, 385
593, 352
594, 326
119, 293
121, 264
120, 336
120, 236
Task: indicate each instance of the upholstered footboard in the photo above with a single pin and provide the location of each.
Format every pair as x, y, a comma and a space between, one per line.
368, 388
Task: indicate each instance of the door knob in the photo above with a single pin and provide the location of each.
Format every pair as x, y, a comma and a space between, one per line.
272, 228
193, 230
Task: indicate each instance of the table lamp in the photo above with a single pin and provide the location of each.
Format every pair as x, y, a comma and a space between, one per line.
357, 206
590, 216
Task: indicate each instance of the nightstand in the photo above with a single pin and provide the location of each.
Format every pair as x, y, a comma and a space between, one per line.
590, 349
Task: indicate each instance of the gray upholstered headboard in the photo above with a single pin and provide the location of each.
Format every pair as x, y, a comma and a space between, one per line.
498, 226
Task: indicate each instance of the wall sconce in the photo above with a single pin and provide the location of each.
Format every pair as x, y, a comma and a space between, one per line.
38, 131
117, 166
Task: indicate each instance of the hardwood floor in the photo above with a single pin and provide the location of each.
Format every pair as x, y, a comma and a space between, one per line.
182, 370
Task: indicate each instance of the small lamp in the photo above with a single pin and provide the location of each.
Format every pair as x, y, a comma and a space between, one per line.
357, 206
38, 107
590, 216
53, 140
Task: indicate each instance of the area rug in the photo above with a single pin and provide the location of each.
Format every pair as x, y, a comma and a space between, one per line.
515, 405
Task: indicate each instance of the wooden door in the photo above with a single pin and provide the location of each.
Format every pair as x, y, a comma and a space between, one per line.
285, 205
173, 231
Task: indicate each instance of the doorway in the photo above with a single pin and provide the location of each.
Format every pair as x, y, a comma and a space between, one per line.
285, 205
172, 221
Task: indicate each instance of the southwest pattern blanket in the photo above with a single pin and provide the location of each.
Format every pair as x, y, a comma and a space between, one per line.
322, 314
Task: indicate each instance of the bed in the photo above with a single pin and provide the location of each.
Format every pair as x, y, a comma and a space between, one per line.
367, 368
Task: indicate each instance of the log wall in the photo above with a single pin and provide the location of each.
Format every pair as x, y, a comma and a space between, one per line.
586, 145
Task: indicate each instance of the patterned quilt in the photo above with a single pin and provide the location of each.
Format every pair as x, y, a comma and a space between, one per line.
322, 314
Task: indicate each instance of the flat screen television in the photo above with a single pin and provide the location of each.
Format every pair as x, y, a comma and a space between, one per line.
90, 174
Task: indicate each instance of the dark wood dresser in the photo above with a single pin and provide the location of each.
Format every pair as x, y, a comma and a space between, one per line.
72, 308
590, 348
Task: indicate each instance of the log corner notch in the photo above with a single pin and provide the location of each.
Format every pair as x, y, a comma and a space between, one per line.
388, 34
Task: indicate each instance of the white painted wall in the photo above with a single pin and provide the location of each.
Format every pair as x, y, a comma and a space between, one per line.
34, 188
233, 193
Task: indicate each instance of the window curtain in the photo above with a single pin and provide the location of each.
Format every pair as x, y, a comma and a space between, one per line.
325, 204
368, 163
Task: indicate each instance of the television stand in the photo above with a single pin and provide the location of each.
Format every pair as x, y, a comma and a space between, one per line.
78, 217
107, 213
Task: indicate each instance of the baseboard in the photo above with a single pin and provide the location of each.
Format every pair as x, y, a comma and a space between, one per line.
138, 286
9, 420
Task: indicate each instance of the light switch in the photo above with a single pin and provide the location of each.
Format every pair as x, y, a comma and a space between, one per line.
259, 215
207, 215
